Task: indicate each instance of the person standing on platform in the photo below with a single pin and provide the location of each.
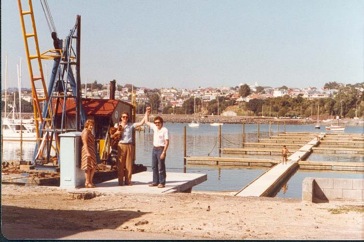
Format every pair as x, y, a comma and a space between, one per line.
284, 154
126, 147
160, 146
88, 153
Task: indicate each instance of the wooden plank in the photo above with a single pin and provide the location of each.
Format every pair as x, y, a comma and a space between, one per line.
229, 161
305, 165
332, 163
332, 166
338, 150
305, 138
343, 144
299, 142
270, 145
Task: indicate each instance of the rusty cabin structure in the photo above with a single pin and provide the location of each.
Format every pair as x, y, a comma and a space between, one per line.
105, 113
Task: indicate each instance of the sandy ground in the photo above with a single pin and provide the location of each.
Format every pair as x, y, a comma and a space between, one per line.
50, 213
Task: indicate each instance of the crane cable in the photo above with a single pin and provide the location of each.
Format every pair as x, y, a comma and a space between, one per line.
48, 15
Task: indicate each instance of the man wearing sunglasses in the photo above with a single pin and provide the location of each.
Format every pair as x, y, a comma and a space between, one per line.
126, 147
160, 146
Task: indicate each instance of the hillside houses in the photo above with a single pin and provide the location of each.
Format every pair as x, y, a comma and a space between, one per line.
176, 97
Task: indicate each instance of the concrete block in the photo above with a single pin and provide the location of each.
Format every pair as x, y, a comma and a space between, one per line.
307, 196
343, 183
307, 184
358, 184
325, 183
353, 194
24, 167
333, 193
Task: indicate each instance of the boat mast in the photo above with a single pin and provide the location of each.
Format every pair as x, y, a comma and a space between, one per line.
19, 111
6, 80
19, 87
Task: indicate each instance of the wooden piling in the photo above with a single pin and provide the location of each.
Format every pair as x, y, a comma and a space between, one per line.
184, 148
242, 144
220, 140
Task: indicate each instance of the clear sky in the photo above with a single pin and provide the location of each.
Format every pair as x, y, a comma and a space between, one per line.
207, 43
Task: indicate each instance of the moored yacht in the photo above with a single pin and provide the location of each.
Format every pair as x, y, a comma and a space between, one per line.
216, 124
335, 128
194, 124
16, 130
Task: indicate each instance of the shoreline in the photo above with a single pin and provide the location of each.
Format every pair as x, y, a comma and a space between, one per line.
30, 212
181, 118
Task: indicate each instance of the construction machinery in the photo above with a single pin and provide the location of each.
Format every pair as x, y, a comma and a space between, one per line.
58, 106
64, 84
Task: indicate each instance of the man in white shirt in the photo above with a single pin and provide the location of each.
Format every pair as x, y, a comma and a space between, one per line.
160, 146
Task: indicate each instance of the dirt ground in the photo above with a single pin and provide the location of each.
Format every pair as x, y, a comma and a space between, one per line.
50, 213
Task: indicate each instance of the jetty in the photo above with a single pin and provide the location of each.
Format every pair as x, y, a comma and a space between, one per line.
176, 182
268, 182
301, 145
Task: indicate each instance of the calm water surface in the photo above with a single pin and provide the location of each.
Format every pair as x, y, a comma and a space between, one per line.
203, 141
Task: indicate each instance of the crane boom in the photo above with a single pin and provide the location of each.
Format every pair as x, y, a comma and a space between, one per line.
61, 87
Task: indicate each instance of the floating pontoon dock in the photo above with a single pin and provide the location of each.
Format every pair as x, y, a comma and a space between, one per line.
267, 183
301, 145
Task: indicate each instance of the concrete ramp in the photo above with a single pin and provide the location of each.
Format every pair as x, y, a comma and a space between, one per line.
266, 183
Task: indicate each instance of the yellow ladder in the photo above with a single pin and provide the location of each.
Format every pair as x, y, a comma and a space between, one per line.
34, 60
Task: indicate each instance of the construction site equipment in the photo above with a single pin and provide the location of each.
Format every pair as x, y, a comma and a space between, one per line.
62, 86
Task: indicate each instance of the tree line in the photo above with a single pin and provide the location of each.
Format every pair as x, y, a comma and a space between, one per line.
348, 102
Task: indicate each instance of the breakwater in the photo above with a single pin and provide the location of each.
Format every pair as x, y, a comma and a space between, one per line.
185, 118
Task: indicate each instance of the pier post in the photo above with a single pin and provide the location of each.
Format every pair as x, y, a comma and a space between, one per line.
270, 126
184, 148
258, 131
277, 127
284, 126
243, 135
21, 135
219, 140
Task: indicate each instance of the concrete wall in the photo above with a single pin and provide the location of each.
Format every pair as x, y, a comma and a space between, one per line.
319, 190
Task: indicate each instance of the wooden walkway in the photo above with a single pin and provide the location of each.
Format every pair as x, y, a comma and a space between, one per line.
338, 150
233, 162
332, 166
302, 145
230, 161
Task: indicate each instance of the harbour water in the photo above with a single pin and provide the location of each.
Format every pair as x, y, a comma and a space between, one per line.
203, 141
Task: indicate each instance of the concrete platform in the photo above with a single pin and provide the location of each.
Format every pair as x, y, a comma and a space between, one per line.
270, 180
176, 182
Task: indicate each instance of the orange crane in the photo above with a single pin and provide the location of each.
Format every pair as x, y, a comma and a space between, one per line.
48, 101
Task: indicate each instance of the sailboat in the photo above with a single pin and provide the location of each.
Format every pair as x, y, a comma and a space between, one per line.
317, 126
218, 113
194, 123
17, 129
216, 124
338, 127
333, 127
